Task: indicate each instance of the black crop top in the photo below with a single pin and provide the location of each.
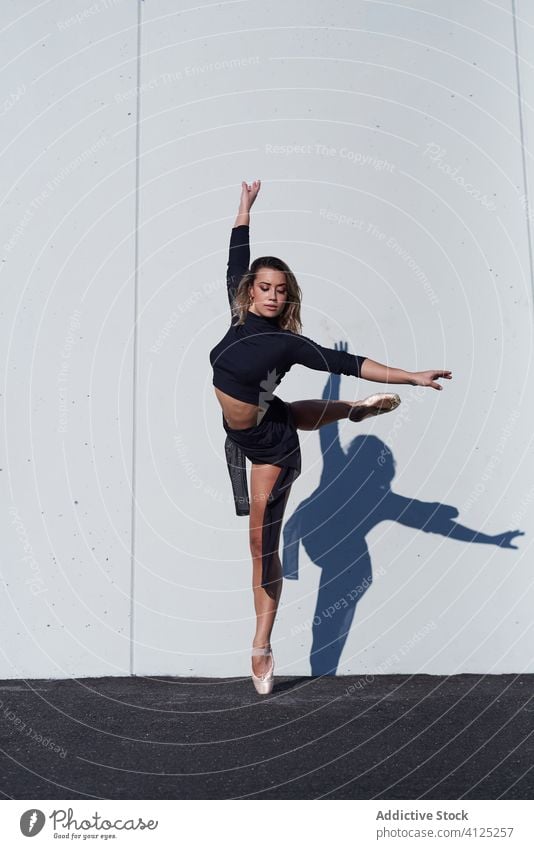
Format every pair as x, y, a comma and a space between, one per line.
252, 358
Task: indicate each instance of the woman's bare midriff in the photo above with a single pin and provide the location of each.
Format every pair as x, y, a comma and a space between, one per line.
238, 414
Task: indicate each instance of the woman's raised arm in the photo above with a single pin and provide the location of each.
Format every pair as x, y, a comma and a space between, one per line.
239, 251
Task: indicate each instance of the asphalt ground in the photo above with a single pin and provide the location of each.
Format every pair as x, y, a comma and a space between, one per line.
350, 737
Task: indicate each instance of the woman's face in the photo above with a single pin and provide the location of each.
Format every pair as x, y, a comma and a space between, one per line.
269, 292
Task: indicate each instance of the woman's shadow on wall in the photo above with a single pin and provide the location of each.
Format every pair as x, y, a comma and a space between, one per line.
354, 494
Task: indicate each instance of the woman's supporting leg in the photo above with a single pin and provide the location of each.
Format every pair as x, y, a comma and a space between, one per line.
313, 414
262, 480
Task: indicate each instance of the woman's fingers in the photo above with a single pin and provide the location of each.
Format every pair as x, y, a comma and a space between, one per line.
433, 375
429, 378
250, 192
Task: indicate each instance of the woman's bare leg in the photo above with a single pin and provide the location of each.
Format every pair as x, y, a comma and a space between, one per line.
313, 414
262, 480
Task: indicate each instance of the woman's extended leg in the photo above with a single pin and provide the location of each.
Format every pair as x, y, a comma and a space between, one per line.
313, 414
262, 480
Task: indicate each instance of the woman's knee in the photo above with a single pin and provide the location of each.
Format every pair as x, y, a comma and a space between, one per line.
256, 542
265, 516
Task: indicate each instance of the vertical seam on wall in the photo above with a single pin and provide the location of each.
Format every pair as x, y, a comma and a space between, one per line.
523, 154
135, 369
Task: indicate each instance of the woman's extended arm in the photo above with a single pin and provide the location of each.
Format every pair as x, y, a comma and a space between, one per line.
307, 352
380, 373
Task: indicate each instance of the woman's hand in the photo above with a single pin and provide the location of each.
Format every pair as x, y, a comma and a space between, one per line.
428, 378
248, 195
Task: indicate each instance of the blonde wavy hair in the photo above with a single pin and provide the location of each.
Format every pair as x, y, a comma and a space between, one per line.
289, 318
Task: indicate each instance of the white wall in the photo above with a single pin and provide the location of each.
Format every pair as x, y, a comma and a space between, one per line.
399, 201
67, 223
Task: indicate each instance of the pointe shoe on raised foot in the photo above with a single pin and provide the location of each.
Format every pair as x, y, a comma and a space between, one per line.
264, 683
383, 402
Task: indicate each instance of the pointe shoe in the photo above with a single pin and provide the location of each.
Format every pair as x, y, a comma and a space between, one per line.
264, 683
383, 402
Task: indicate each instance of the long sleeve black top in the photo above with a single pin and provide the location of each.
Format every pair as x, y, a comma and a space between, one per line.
252, 358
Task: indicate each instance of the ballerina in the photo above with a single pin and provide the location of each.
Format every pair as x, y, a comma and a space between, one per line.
263, 342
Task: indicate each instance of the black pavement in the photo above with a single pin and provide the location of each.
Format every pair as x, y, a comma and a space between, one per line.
347, 737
